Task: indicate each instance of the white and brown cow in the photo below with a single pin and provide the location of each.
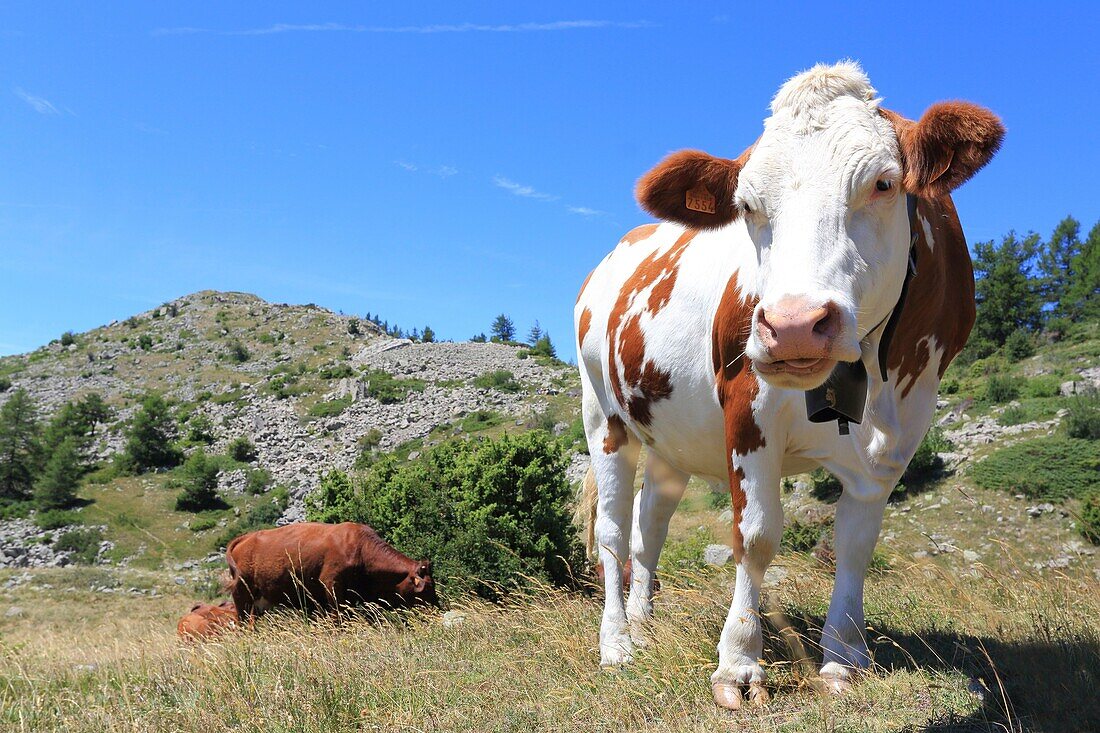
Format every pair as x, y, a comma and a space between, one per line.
700, 336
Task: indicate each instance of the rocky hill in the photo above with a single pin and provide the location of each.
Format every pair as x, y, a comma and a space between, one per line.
303, 384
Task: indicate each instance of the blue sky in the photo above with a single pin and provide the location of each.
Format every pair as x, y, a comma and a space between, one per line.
444, 163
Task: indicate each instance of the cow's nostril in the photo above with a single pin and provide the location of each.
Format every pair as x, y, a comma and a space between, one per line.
826, 324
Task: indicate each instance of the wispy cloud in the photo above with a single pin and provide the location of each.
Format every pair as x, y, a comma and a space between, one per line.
584, 211
557, 25
41, 105
518, 189
443, 171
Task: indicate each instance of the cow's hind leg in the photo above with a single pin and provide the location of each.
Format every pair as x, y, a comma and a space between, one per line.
756, 540
653, 508
614, 461
858, 521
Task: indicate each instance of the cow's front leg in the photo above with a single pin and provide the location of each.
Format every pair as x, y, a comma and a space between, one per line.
858, 521
653, 508
758, 528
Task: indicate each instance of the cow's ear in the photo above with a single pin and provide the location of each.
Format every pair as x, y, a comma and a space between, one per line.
950, 143
692, 188
424, 569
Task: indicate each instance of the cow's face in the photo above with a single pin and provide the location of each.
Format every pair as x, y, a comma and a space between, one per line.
822, 197
418, 587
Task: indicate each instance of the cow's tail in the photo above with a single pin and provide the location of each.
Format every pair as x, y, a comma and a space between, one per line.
230, 576
586, 512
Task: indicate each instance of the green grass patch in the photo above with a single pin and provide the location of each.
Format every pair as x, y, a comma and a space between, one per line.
1051, 468
388, 389
330, 408
501, 380
481, 420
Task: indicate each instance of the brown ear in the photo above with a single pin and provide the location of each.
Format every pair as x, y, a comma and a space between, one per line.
951, 142
692, 188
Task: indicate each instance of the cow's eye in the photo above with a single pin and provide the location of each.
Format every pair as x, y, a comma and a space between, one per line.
883, 185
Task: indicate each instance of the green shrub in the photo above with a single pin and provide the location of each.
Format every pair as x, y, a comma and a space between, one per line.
1083, 420
199, 481
261, 516
501, 380
800, 537
686, 554
56, 519
145, 342
331, 408
926, 464
258, 480
5, 383
67, 339
201, 524
83, 543
1001, 389
336, 371
1089, 519
200, 430
824, 485
388, 389
1049, 468
1019, 345
1043, 385
1013, 415
15, 509
149, 437
481, 420
241, 449
237, 352
575, 435
489, 513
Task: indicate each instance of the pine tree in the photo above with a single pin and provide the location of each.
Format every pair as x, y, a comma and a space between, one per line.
56, 487
503, 329
545, 347
1082, 293
415, 336
199, 480
1056, 261
149, 438
20, 450
428, 336
93, 411
478, 338
1008, 299
535, 333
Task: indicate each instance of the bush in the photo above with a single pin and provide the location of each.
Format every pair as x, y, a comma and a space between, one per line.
1019, 345
241, 449
261, 516
1044, 385
1013, 415
1050, 468
389, 390
200, 430
67, 339
799, 537
1083, 420
237, 352
199, 480
825, 486
1001, 389
83, 543
258, 480
331, 408
481, 420
1089, 519
501, 380
5, 383
149, 437
56, 519
201, 524
489, 513
145, 342
926, 464
336, 371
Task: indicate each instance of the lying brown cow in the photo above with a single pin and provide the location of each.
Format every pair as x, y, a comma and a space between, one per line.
205, 621
324, 566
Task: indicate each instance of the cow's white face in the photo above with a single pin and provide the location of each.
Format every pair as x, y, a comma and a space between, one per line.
822, 196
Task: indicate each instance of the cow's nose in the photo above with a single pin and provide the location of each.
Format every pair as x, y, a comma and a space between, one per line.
798, 328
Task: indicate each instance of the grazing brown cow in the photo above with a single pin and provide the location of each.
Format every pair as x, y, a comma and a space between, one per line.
205, 621
325, 566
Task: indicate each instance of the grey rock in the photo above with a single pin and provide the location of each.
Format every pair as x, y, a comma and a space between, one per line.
454, 618
717, 555
13, 612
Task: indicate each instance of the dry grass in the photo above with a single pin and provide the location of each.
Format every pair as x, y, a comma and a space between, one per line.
1032, 639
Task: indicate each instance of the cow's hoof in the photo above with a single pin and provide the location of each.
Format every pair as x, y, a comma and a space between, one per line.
727, 695
837, 679
758, 695
616, 654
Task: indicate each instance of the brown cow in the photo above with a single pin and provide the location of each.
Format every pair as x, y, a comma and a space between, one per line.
323, 566
205, 621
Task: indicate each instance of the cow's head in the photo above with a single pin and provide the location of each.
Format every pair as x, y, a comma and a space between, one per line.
418, 585
822, 196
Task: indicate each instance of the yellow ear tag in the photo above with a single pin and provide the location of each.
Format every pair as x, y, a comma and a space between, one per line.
700, 199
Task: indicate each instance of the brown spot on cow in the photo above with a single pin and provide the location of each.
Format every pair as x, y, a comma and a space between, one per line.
584, 324
940, 300
645, 381
637, 234
616, 435
205, 621
323, 566
737, 387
